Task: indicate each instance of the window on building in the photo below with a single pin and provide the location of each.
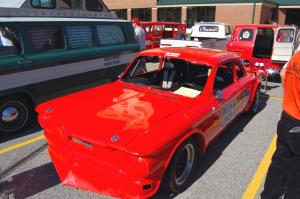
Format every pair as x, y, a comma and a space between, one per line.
48, 4
93, 5
246, 35
122, 13
44, 38
70, 4
80, 36
169, 14
197, 14
144, 14
110, 34
9, 41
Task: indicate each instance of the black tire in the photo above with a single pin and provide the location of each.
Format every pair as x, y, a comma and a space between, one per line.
16, 113
179, 172
256, 102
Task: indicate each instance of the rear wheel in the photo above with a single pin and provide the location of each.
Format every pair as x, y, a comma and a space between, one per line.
182, 167
15, 114
256, 101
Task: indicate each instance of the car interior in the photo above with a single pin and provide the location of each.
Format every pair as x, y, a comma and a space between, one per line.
168, 74
263, 45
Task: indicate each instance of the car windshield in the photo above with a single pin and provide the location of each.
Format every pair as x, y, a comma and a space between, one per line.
174, 75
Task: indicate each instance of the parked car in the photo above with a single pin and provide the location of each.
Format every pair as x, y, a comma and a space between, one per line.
204, 35
265, 47
147, 129
155, 31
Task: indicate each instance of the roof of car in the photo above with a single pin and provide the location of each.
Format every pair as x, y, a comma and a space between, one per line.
199, 55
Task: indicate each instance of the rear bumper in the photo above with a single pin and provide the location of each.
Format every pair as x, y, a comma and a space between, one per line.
272, 72
80, 171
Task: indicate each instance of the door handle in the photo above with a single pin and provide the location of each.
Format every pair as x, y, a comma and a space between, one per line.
25, 62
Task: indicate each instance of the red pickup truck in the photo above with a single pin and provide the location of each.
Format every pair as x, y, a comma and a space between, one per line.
155, 31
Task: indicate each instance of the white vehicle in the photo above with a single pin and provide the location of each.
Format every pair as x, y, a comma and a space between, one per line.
204, 35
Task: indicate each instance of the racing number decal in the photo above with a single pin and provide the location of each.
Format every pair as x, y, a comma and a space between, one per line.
234, 107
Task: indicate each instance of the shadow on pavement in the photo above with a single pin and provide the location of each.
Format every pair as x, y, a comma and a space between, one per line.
7, 137
214, 151
29, 183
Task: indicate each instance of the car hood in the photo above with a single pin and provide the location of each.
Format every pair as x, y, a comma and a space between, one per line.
110, 115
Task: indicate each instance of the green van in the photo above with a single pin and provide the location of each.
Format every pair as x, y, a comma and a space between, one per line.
46, 57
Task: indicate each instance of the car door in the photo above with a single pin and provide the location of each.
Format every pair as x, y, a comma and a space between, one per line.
284, 44
242, 42
244, 85
226, 93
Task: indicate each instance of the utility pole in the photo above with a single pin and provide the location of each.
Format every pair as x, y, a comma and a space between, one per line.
253, 11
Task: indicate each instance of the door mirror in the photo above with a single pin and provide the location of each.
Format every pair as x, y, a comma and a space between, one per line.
219, 94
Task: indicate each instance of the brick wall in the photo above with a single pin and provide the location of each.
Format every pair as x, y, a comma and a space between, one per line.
242, 13
122, 4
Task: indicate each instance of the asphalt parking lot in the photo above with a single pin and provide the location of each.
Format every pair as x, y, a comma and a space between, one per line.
226, 171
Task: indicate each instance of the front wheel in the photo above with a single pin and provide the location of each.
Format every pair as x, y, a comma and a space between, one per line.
15, 114
182, 167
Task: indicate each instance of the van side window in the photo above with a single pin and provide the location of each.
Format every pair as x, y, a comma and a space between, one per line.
110, 34
70, 4
246, 35
93, 5
224, 77
47, 4
227, 30
285, 36
9, 41
44, 38
80, 36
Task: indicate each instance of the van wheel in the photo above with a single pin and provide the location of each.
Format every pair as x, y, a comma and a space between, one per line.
182, 167
15, 114
256, 102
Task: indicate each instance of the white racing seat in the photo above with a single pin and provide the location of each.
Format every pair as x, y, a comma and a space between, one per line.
168, 75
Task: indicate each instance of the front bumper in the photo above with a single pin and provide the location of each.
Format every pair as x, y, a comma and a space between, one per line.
85, 172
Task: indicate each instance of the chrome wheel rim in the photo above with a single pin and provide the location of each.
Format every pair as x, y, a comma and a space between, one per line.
184, 164
13, 116
9, 114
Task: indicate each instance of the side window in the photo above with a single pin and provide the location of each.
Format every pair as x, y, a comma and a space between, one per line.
227, 31
238, 70
70, 4
44, 38
246, 35
110, 34
80, 36
9, 41
285, 36
93, 5
46, 4
224, 77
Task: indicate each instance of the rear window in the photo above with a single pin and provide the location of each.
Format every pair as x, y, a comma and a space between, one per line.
246, 35
209, 29
46, 4
80, 36
93, 5
44, 38
110, 34
9, 41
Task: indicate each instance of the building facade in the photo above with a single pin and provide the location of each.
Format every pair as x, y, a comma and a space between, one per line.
228, 11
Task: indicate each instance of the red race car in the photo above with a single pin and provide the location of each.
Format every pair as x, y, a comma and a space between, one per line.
148, 128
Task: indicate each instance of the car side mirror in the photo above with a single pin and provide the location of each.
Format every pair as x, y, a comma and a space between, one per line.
116, 77
219, 94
